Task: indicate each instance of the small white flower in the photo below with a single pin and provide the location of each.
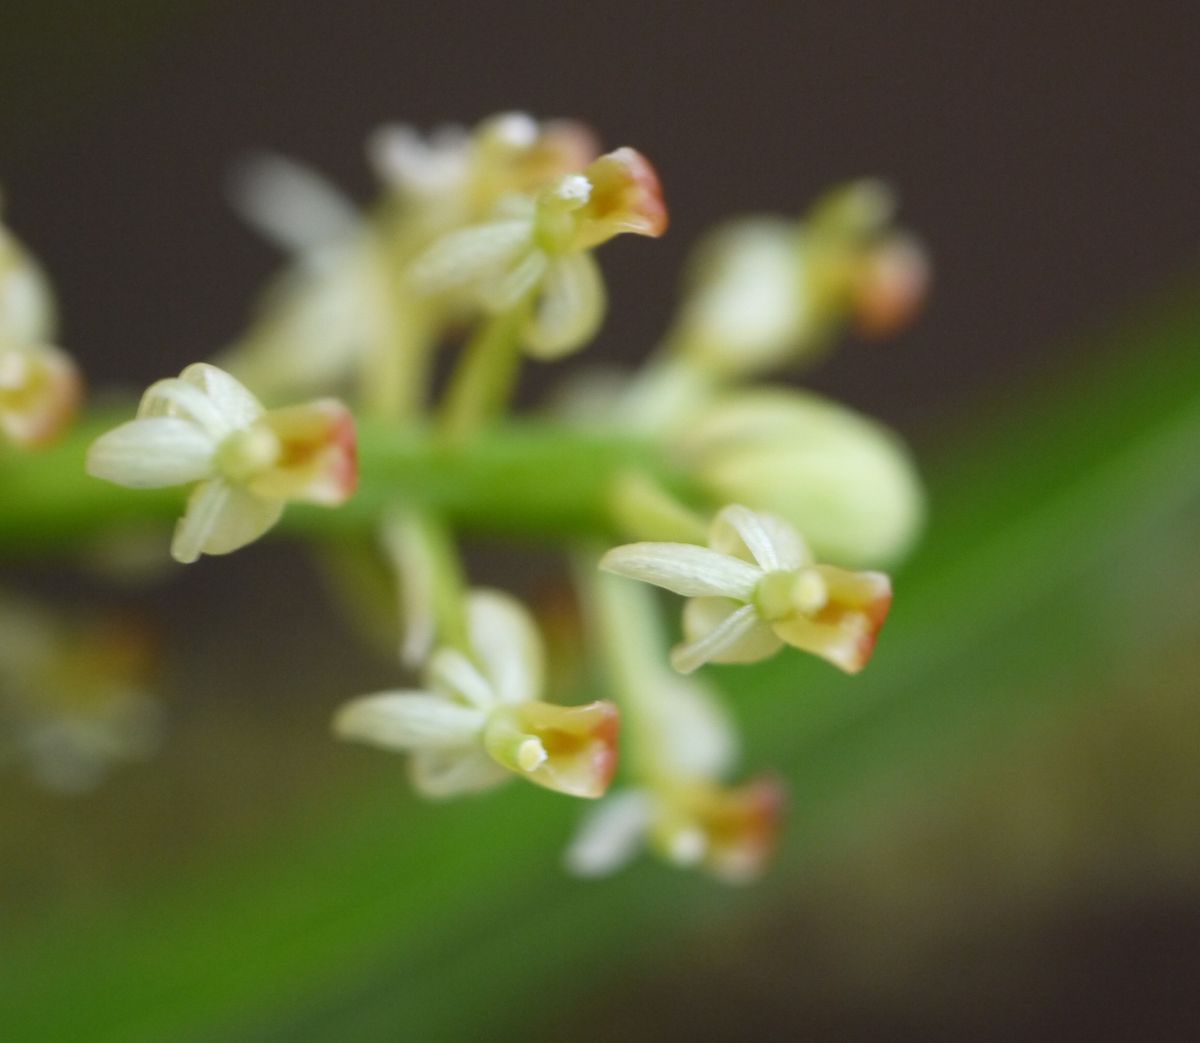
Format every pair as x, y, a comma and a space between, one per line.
757, 588
480, 719
539, 249
205, 427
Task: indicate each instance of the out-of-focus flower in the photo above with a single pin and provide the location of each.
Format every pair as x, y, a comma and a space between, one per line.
767, 291
205, 427
40, 387
40, 391
858, 264
480, 720
729, 831
73, 699
842, 479
682, 745
537, 249
757, 588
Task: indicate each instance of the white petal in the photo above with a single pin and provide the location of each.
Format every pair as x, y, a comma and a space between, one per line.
452, 773
184, 401
684, 568
507, 644
454, 674
570, 308
471, 256
232, 400
221, 518
727, 634
702, 615
766, 538
409, 720
290, 204
609, 834
152, 453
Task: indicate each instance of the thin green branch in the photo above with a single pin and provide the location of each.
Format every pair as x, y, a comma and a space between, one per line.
540, 480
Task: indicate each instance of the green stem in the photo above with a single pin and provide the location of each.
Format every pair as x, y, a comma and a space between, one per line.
395, 374
530, 479
483, 382
624, 619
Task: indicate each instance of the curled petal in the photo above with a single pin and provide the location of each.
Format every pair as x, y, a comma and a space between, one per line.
685, 569
736, 638
765, 539
152, 453
440, 774
570, 749
40, 391
183, 400
318, 454
569, 309
609, 835
228, 395
220, 518
845, 630
507, 645
408, 721
626, 196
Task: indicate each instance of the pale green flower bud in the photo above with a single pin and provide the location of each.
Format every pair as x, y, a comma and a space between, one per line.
843, 480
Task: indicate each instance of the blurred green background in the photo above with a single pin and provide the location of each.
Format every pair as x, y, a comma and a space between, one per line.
993, 832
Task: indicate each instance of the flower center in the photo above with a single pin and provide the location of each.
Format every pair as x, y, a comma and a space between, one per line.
785, 593
249, 453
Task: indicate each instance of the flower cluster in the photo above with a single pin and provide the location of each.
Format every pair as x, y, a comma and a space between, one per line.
770, 510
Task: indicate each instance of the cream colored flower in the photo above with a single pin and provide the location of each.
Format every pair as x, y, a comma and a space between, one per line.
205, 427
479, 720
40, 391
538, 249
757, 588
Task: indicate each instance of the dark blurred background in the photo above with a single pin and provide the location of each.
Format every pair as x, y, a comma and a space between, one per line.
1049, 154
